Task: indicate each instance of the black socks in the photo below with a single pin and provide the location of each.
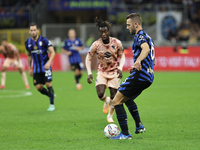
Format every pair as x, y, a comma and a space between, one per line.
122, 118
77, 77
134, 112
44, 91
49, 93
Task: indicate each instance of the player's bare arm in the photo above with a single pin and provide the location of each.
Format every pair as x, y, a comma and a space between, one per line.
121, 64
88, 64
66, 52
145, 51
52, 52
2, 50
122, 60
16, 56
16, 53
88, 67
29, 64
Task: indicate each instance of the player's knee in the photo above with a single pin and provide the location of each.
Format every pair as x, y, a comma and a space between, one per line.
80, 72
4, 68
118, 99
115, 102
112, 96
76, 71
113, 93
100, 94
39, 87
48, 84
20, 70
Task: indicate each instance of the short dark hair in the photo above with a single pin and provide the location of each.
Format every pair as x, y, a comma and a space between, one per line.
4, 39
100, 23
136, 17
33, 24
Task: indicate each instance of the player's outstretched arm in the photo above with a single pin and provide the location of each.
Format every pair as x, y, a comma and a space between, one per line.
88, 59
121, 64
53, 53
2, 50
16, 54
88, 67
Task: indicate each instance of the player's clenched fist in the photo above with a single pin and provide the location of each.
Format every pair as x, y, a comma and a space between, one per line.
90, 78
119, 72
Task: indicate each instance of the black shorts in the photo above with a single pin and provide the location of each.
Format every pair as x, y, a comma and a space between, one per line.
132, 88
78, 66
42, 78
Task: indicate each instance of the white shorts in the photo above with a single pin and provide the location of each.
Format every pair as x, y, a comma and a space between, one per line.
8, 61
109, 82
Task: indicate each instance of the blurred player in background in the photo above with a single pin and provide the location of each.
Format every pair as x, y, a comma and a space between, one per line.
141, 77
38, 48
71, 48
108, 50
12, 56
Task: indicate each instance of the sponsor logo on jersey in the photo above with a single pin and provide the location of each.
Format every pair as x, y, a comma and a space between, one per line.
107, 54
141, 38
113, 47
49, 43
149, 70
40, 43
37, 51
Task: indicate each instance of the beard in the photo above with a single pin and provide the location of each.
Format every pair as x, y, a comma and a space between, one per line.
34, 36
133, 31
105, 40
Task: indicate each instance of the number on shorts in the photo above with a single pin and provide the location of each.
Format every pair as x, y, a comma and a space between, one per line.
47, 73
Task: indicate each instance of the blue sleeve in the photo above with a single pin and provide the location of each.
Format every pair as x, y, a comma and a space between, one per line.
65, 46
80, 43
47, 42
26, 45
141, 39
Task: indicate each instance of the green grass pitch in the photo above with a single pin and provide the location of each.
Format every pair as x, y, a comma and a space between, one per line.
169, 110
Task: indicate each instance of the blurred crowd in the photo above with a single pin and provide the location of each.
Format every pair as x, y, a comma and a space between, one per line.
154, 2
188, 30
16, 6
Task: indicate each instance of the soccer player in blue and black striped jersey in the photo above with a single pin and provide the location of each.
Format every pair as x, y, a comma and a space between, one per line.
141, 77
38, 48
71, 47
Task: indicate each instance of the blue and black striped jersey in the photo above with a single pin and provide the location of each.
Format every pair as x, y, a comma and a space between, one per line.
70, 46
147, 72
39, 52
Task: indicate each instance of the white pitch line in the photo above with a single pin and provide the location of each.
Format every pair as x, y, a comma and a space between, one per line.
14, 93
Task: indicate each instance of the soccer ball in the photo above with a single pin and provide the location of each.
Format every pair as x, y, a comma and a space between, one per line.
111, 130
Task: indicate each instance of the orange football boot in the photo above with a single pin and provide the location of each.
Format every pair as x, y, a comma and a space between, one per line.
2, 86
